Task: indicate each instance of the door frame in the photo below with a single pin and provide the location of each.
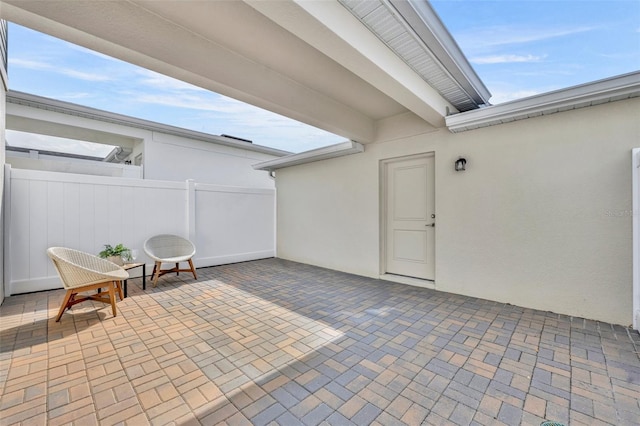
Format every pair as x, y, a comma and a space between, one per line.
383, 173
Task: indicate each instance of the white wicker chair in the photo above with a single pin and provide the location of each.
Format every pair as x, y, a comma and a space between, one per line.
80, 272
168, 248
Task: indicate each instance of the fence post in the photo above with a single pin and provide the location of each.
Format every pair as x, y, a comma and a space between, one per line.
191, 210
6, 248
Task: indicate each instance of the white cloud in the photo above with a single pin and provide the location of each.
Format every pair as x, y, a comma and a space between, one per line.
150, 95
51, 143
203, 101
217, 114
479, 39
504, 59
86, 76
84, 51
177, 100
75, 96
568, 70
620, 55
500, 96
69, 72
29, 64
263, 127
163, 82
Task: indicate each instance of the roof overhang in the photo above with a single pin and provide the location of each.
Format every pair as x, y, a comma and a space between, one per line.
414, 32
325, 153
61, 107
13, 149
602, 91
312, 61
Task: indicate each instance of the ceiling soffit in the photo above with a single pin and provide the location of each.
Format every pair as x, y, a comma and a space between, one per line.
131, 32
416, 35
316, 67
330, 28
243, 30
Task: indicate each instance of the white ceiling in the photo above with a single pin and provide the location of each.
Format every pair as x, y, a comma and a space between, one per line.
313, 61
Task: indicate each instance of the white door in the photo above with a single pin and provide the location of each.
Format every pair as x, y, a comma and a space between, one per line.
410, 217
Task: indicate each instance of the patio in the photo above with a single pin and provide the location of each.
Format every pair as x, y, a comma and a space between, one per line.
272, 340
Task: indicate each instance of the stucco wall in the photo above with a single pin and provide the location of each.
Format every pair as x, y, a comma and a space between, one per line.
169, 157
165, 156
540, 218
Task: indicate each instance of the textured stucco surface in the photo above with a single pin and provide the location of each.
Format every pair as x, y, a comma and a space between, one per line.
541, 218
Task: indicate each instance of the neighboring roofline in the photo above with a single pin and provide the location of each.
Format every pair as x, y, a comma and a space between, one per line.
602, 91
10, 148
34, 101
324, 153
424, 20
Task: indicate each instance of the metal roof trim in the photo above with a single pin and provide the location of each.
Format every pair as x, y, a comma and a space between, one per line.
607, 90
324, 153
413, 31
424, 20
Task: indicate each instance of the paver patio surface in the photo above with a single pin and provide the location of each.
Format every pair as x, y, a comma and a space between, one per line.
279, 342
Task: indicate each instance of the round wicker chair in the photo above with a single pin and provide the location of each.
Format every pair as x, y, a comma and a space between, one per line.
80, 272
168, 248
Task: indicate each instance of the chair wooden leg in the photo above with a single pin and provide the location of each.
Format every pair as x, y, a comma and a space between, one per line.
119, 288
65, 302
156, 269
112, 297
193, 270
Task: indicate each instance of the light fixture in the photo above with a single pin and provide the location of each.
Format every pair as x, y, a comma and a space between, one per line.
460, 164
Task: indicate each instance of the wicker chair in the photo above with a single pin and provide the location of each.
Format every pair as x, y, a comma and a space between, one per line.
80, 272
167, 248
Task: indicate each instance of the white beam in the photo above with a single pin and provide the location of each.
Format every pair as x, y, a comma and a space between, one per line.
129, 32
324, 153
338, 34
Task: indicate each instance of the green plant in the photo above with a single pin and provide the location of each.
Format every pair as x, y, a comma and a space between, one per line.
119, 251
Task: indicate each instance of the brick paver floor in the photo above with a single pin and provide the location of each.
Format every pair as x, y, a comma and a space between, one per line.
278, 342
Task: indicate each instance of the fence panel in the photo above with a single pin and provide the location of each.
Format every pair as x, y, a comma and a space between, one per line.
233, 225
85, 212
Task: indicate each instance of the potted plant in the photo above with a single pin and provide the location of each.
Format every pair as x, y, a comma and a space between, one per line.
115, 254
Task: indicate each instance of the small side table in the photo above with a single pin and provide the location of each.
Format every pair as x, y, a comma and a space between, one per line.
128, 266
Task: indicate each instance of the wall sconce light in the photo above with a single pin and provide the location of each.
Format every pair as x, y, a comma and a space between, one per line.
460, 164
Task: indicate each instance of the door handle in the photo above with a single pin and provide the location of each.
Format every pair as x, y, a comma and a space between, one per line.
433, 225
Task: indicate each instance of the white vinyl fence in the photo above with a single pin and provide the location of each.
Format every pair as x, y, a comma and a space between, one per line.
45, 209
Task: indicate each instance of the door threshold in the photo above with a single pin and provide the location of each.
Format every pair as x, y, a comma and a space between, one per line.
402, 279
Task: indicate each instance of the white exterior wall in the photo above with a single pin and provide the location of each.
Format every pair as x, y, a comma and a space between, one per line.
539, 219
168, 157
165, 156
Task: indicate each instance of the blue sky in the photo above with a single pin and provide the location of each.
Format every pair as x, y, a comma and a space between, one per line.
518, 48
46, 66
522, 48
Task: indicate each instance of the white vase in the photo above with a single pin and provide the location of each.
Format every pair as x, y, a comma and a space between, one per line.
115, 259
